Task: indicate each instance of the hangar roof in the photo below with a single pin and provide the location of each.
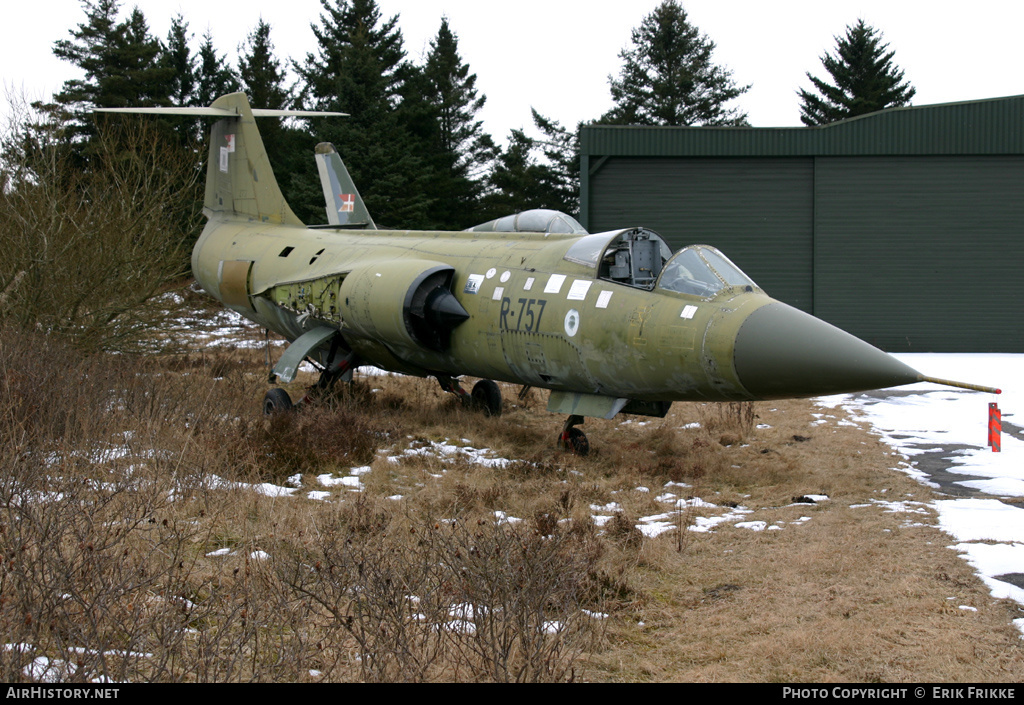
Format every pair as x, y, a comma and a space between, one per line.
991, 126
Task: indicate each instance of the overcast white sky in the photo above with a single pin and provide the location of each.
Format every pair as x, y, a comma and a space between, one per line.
556, 55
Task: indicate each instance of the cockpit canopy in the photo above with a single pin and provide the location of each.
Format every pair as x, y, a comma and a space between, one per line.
702, 270
639, 257
538, 220
633, 256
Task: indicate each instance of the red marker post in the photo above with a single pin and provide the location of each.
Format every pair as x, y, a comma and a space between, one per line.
995, 426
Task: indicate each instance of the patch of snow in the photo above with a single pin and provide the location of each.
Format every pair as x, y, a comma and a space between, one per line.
44, 670
920, 418
752, 525
655, 528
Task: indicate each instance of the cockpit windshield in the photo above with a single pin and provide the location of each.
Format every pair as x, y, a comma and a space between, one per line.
703, 271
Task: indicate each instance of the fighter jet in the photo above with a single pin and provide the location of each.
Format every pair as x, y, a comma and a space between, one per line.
609, 322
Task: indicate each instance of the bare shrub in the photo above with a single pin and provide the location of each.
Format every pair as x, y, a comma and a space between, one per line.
452, 601
732, 421
94, 574
317, 438
87, 248
623, 529
105, 506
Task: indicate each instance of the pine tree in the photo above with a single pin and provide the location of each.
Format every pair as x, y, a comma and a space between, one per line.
139, 59
561, 149
261, 75
864, 79
452, 91
521, 179
289, 149
123, 65
517, 180
668, 77
214, 77
121, 61
460, 151
178, 57
356, 65
358, 69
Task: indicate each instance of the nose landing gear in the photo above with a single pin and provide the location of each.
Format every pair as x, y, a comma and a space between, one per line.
572, 440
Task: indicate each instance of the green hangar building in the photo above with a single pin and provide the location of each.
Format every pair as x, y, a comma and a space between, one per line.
904, 227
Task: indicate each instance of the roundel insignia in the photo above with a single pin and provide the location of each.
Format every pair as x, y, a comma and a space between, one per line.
572, 322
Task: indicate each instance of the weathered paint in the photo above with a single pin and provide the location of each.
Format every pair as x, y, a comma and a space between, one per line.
535, 316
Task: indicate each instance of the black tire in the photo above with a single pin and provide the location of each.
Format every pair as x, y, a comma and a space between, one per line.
576, 443
276, 401
487, 397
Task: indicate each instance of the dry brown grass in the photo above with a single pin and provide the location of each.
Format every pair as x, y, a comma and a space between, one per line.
477, 572
854, 594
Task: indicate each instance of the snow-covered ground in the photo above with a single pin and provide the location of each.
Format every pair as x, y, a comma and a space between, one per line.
942, 433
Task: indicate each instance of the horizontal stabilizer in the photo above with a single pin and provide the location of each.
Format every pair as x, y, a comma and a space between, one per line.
240, 182
219, 112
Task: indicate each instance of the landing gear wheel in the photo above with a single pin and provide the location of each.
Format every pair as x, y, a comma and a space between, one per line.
276, 401
574, 441
487, 397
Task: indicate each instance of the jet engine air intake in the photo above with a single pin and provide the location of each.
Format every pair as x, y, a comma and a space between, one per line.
403, 303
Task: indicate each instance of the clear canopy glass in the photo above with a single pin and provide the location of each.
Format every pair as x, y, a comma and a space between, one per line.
702, 271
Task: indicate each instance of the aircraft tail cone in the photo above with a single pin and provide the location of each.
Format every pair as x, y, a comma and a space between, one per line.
783, 352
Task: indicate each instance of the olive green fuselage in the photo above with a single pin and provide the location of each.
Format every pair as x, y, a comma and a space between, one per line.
535, 318
610, 322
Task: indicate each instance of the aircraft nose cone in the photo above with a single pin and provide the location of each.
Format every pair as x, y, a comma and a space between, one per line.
781, 352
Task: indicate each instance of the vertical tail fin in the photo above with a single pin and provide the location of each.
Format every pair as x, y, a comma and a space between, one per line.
239, 180
345, 207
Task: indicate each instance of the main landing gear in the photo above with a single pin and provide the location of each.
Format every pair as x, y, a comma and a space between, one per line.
572, 440
485, 397
276, 401
340, 364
